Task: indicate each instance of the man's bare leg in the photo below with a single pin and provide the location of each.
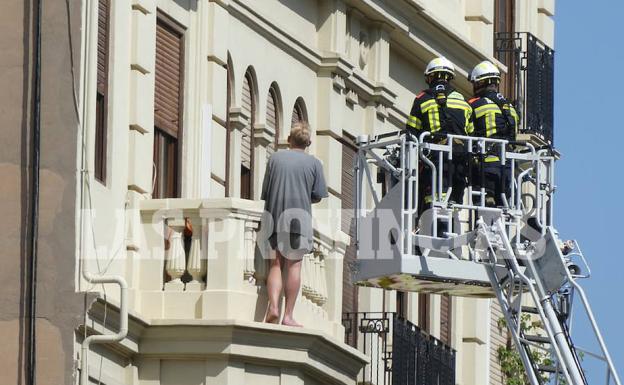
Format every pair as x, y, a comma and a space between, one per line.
274, 288
293, 282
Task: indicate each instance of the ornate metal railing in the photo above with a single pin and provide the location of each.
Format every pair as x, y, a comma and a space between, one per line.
400, 353
531, 64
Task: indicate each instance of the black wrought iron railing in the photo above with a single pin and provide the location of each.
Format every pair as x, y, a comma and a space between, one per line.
400, 353
531, 64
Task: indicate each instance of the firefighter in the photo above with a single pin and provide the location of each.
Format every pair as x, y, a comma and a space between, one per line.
493, 117
440, 109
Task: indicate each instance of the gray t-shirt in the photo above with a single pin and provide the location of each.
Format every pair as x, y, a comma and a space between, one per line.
293, 180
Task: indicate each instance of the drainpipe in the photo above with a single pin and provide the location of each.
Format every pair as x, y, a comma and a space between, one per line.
31, 348
104, 338
88, 89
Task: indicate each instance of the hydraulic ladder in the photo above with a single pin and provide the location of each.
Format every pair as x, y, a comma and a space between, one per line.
547, 278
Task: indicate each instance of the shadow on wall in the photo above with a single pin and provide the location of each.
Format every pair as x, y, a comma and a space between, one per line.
305, 9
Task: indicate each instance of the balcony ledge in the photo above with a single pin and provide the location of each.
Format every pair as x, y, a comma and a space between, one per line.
311, 351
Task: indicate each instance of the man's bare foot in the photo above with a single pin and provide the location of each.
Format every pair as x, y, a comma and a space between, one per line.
289, 321
272, 316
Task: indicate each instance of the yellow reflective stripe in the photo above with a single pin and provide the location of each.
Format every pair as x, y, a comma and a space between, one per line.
424, 106
414, 122
491, 159
460, 104
434, 120
490, 124
456, 95
514, 114
429, 198
485, 109
469, 124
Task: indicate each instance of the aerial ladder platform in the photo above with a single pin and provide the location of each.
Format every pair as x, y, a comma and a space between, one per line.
512, 253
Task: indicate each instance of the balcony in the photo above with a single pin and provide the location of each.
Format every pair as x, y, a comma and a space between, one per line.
216, 271
197, 300
531, 65
400, 353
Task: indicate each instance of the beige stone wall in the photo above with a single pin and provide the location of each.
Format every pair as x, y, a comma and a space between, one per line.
356, 67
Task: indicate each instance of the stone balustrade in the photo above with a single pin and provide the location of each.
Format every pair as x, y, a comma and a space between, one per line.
218, 271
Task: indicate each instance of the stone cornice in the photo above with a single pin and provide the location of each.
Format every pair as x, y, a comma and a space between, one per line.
204, 208
311, 351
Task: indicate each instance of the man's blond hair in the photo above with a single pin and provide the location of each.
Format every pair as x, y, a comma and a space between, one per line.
300, 135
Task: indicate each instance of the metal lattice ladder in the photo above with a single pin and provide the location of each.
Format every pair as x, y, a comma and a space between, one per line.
542, 274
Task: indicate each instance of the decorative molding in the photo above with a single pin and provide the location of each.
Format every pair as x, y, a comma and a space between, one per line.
263, 134
352, 96
238, 118
382, 111
338, 82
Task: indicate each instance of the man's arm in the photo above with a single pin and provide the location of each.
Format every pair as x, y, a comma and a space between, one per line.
414, 121
319, 189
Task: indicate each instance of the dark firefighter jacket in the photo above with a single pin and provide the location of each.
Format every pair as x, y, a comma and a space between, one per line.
494, 117
442, 112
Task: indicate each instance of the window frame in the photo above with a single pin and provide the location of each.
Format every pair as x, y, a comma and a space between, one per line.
100, 147
169, 23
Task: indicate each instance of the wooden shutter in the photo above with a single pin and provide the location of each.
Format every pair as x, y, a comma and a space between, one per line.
248, 105
504, 22
446, 317
297, 115
272, 120
101, 110
349, 290
169, 71
168, 107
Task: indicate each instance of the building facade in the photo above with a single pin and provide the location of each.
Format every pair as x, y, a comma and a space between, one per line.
166, 112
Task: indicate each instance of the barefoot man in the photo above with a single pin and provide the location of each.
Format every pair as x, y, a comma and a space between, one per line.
293, 181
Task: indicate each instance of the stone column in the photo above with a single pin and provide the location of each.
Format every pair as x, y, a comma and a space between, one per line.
175, 259
196, 265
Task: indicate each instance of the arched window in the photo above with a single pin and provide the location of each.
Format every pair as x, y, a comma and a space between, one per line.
299, 112
272, 117
249, 108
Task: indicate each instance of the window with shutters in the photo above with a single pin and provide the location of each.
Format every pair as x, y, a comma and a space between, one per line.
349, 289
272, 118
504, 23
168, 105
299, 113
249, 108
101, 99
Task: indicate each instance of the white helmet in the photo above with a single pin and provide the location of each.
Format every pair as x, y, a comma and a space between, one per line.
484, 70
440, 64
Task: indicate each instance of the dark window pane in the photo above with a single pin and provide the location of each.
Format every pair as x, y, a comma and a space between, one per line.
99, 161
165, 165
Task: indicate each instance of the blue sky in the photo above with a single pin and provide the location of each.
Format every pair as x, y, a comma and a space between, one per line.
589, 132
